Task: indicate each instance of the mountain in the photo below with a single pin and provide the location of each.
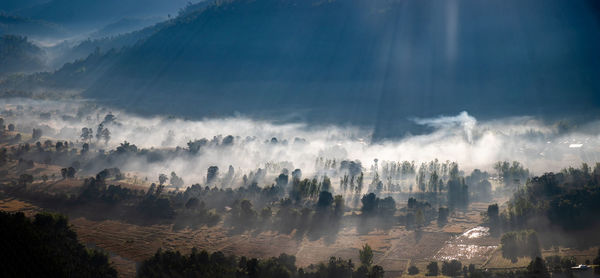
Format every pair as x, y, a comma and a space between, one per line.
15, 25
85, 13
17, 54
15, 5
376, 63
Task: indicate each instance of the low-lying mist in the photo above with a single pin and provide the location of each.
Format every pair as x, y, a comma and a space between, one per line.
254, 144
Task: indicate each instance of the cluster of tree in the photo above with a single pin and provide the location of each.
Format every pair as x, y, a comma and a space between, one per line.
520, 244
419, 213
317, 219
511, 174
569, 199
308, 189
374, 206
46, 247
217, 264
431, 176
458, 192
451, 268
17, 54
194, 214
479, 186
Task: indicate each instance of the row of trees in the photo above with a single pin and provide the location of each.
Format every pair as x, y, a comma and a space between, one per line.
217, 264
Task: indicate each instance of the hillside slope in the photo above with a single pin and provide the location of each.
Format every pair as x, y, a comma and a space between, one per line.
375, 63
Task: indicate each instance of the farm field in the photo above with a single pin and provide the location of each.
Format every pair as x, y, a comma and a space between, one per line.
394, 249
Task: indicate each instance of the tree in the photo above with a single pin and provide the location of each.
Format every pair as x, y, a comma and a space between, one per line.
325, 200
377, 272
211, 174
338, 202
533, 245
24, 179
36, 134
492, 213
366, 255
443, 216
369, 203
413, 270
162, 178
102, 133
176, 181
46, 246
510, 248
452, 268
71, 172
432, 269
537, 269
86, 134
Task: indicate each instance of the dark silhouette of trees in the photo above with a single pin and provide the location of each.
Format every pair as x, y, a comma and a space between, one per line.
537, 269
512, 174
25, 179
176, 181
162, 178
36, 134
86, 134
47, 247
451, 268
413, 270
373, 206
520, 244
432, 269
68, 173
205, 264
443, 216
211, 174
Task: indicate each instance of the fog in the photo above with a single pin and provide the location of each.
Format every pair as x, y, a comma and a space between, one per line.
541, 147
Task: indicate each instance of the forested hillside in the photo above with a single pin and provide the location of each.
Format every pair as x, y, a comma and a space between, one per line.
366, 62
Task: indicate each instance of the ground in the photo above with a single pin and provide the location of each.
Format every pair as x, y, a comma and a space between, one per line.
394, 249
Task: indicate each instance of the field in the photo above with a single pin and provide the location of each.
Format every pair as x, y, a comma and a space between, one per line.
395, 249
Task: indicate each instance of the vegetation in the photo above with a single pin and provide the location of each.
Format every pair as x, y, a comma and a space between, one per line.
205, 264
47, 247
569, 200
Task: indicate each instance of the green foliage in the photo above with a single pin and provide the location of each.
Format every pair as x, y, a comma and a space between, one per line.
46, 247
366, 255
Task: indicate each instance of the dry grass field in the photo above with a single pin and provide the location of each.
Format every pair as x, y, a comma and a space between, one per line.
394, 249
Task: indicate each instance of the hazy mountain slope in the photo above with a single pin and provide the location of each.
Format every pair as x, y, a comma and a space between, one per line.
15, 5
367, 62
15, 25
82, 13
19, 55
